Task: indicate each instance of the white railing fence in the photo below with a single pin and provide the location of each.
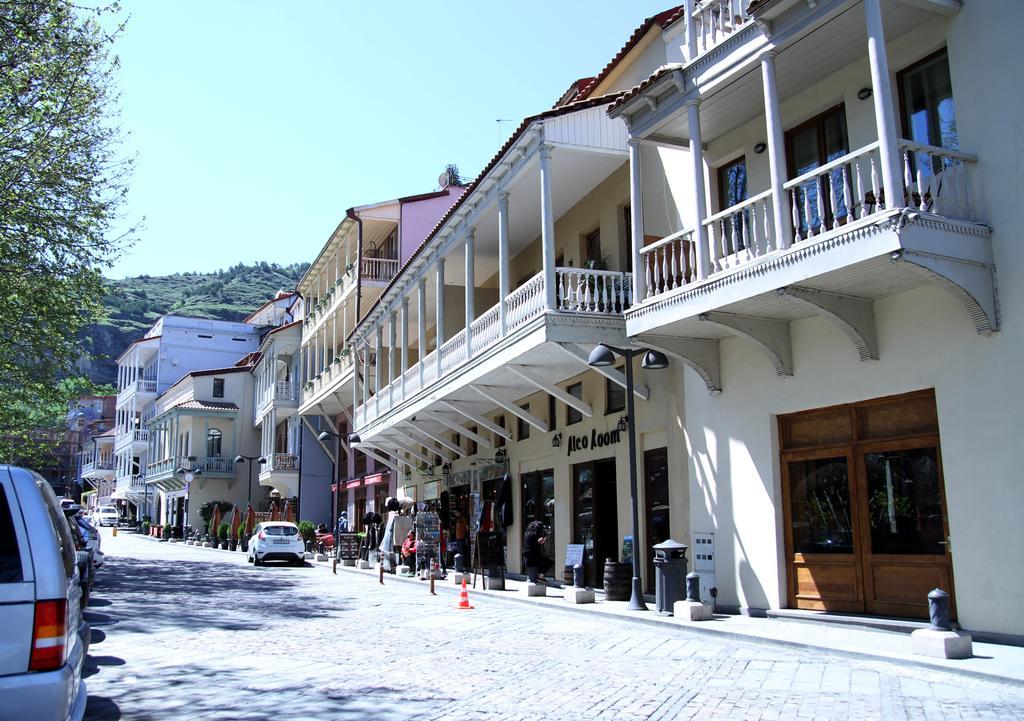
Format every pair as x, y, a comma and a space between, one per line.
715, 20
524, 302
602, 292
285, 462
669, 263
379, 268
742, 232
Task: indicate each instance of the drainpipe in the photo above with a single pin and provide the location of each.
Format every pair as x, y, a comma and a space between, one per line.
298, 499
359, 263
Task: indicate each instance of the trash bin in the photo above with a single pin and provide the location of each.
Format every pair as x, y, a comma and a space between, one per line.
670, 566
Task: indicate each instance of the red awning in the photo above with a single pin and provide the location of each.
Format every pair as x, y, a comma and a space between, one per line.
375, 478
353, 484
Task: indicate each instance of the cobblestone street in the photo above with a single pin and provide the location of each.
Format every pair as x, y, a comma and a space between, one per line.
186, 633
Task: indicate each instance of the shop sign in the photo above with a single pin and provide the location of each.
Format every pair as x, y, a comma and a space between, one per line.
596, 439
573, 554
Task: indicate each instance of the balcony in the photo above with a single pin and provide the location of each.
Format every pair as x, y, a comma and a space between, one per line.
143, 386
283, 396
164, 473
848, 244
102, 467
281, 473
138, 436
330, 388
587, 309
381, 270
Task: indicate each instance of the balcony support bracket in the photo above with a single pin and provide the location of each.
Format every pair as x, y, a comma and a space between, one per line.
490, 393
700, 354
315, 432
478, 419
436, 437
417, 439
458, 428
771, 336
551, 389
973, 284
854, 316
614, 375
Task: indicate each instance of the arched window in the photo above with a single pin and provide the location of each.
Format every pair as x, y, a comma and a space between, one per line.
213, 443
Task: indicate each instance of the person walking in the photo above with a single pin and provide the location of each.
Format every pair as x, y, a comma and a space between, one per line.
536, 563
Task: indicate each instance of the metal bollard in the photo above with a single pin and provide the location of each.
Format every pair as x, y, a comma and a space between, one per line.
459, 568
381, 567
693, 587
577, 575
938, 610
432, 584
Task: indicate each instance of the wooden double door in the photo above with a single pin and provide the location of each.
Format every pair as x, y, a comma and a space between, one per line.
865, 512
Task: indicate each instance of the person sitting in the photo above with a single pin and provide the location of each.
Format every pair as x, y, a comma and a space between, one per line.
409, 550
534, 560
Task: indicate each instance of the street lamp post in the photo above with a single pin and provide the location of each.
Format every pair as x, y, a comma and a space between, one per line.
189, 475
323, 438
242, 459
603, 356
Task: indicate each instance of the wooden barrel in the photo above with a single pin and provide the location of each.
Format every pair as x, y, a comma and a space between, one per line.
567, 575
618, 580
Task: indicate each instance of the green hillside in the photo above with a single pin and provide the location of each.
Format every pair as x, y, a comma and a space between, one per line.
134, 303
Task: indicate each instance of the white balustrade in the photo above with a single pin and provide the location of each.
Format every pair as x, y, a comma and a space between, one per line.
429, 368
284, 462
379, 268
411, 381
669, 262
740, 233
453, 352
286, 391
715, 20
601, 292
936, 180
525, 302
485, 330
217, 465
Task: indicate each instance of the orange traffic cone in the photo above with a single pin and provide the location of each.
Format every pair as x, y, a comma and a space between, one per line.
464, 598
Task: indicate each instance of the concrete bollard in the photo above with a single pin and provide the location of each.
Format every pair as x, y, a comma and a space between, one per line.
693, 587
380, 577
577, 576
459, 568
939, 640
692, 609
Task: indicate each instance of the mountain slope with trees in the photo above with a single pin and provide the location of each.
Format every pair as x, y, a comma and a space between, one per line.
133, 304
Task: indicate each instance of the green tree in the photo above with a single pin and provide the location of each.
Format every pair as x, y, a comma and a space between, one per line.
62, 182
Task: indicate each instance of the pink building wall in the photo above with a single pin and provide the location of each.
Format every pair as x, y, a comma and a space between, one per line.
420, 216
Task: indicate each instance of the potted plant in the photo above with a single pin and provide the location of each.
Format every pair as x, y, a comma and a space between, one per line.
308, 532
232, 540
243, 541
145, 528
222, 532
167, 531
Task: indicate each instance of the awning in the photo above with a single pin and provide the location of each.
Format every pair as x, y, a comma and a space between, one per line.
375, 478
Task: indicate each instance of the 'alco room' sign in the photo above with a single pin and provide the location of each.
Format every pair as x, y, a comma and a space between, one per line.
596, 439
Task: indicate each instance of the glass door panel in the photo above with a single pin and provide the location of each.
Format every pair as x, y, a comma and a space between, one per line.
905, 502
820, 512
583, 514
538, 503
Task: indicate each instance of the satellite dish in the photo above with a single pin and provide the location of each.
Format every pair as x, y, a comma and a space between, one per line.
449, 177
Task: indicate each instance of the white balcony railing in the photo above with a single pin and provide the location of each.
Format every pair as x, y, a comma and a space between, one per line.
577, 291
219, 464
286, 391
714, 21
138, 482
383, 269
284, 462
935, 180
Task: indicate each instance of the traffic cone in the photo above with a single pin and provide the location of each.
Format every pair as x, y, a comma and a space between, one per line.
464, 598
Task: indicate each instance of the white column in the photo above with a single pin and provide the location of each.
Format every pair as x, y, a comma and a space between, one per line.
421, 324
366, 374
691, 30
470, 297
439, 314
885, 119
547, 227
392, 356
776, 153
316, 353
404, 340
380, 352
503, 262
636, 221
697, 167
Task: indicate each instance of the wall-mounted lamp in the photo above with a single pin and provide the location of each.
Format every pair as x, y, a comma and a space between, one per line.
864, 93
446, 470
556, 440
760, 148
500, 456
623, 424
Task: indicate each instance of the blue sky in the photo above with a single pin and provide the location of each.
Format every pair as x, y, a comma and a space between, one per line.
256, 124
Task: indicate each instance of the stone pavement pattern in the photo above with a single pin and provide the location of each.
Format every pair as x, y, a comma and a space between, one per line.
189, 633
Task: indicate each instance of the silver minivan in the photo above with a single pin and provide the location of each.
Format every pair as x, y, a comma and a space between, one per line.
41, 651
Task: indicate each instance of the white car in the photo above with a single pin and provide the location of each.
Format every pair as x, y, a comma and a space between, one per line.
276, 541
106, 516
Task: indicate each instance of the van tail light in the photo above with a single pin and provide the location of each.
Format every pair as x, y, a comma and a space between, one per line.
49, 636
263, 536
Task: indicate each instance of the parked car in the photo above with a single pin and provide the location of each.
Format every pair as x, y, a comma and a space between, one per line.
92, 539
43, 639
106, 516
276, 541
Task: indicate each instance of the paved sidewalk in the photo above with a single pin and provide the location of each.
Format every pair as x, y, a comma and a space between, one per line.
989, 661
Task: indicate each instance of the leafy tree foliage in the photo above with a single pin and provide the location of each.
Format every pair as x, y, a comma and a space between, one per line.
62, 182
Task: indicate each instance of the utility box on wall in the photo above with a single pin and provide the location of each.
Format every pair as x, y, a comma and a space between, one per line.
704, 563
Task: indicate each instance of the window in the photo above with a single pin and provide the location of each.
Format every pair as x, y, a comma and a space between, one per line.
213, 443
732, 190
552, 413
571, 414
927, 111
218, 387
592, 249
499, 440
10, 554
809, 146
523, 428
615, 396
472, 450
